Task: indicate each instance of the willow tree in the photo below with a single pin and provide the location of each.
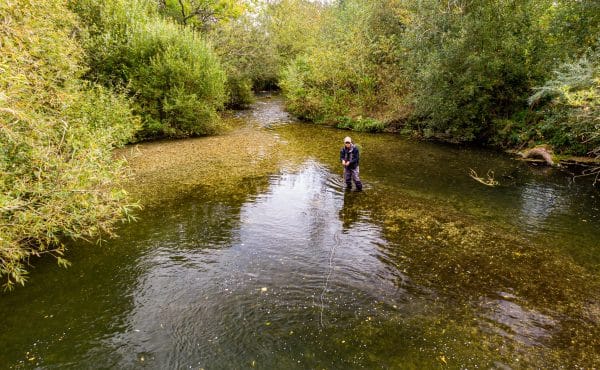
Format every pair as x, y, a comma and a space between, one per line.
57, 176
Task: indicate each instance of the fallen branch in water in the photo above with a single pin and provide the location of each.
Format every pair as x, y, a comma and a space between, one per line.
541, 153
594, 171
487, 182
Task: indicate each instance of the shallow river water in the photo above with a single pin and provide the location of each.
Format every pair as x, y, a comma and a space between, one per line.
260, 259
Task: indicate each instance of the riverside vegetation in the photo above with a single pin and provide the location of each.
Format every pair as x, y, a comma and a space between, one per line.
80, 78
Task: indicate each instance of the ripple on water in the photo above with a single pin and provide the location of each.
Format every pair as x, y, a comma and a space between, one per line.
290, 265
503, 315
290, 271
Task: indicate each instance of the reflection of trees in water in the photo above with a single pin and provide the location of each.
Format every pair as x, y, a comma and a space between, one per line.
210, 224
202, 220
538, 202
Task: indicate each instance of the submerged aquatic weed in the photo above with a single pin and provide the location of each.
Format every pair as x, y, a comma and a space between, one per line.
231, 164
476, 272
469, 264
457, 253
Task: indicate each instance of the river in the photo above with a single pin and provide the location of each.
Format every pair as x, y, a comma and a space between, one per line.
248, 253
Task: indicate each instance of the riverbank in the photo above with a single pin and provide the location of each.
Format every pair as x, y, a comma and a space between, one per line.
575, 166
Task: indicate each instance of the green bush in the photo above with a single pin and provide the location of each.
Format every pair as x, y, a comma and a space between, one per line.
455, 71
472, 63
573, 27
248, 58
570, 103
239, 91
174, 77
360, 124
355, 69
57, 175
327, 83
105, 114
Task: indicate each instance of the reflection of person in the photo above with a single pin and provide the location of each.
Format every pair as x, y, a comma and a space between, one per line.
349, 156
350, 212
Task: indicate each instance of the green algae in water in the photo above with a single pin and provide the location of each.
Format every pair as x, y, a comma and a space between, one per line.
469, 261
433, 271
530, 289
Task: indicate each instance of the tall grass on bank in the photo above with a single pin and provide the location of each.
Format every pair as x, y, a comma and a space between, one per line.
57, 177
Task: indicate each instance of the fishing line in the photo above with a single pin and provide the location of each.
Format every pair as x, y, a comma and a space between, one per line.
336, 239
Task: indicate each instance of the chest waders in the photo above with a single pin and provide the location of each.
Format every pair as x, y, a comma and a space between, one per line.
351, 174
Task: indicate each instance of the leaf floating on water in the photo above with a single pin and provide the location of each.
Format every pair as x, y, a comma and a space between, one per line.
443, 360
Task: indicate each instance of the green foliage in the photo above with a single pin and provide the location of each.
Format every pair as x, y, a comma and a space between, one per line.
174, 77
57, 175
516, 131
294, 27
106, 114
572, 27
571, 106
458, 71
471, 62
351, 73
239, 88
203, 14
182, 112
247, 55
360, 124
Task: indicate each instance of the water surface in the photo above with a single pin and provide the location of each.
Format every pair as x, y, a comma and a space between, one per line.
260, 259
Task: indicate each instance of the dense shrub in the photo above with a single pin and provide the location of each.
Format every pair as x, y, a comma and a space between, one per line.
570, 102
458, 71
247, 56
572, 27
57, 175
472, 62
352, 73
173, 75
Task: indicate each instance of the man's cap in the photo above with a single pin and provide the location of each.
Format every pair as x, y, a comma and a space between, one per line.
347, 139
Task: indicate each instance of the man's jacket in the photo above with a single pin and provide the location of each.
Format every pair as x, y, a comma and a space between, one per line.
350, 155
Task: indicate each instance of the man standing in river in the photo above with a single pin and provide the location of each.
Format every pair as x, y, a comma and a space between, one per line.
349, 156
